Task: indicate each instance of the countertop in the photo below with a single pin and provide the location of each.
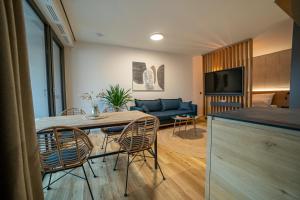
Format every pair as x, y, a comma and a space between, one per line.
278, 117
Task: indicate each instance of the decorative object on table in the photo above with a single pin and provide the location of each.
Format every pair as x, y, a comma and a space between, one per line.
147, 78
93, 98
184, 119
138, 137
74, 150
116, 97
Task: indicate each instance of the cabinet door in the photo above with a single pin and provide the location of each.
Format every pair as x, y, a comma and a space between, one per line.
250, 161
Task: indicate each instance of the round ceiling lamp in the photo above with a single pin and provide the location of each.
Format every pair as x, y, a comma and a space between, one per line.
156, 36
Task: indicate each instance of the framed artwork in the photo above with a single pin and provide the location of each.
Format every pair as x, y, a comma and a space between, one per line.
147, 77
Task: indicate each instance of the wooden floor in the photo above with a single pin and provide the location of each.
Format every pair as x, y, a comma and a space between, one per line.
185, 177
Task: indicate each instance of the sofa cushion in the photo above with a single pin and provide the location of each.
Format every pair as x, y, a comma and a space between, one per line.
115, 129
170, 104
145, 108
185, 105
165, 115
152, 105
136, 108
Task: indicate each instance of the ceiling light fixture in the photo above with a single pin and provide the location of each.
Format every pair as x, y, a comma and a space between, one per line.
99, 34
156, 36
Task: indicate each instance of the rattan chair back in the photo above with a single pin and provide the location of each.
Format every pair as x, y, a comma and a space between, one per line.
139, 135
63, 147
73, 111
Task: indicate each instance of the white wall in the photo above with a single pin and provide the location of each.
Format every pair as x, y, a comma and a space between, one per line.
274, 39
94, 67
198, 90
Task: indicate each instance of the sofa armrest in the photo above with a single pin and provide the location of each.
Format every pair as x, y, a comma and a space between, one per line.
194, 108
136, 108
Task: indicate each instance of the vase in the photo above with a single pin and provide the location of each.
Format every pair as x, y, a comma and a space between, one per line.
117, 109
95, 110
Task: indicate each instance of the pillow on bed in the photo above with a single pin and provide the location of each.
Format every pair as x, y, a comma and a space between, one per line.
262, 100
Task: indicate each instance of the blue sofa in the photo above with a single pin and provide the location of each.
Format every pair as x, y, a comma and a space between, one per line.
164, 109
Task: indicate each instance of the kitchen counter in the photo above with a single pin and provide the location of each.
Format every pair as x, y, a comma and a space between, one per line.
278, 117
253, 153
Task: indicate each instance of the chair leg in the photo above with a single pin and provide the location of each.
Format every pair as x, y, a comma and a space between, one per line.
105, 148
87, 181
91, 169
161, 171
43, 176
49, 188
144, 156
103, 142
115, 167
125, 194
162, 174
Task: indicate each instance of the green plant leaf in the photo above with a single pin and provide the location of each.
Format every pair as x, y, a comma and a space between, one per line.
117, 97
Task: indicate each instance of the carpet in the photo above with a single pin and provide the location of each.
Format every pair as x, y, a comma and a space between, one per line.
190, 143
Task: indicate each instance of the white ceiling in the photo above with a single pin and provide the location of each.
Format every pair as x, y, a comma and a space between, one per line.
190, 26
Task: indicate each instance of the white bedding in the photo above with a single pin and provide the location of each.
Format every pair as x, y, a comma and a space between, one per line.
262, 100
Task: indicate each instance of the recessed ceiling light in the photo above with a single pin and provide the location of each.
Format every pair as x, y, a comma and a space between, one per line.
157, 36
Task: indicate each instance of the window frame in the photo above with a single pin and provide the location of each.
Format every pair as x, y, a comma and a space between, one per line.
49, 37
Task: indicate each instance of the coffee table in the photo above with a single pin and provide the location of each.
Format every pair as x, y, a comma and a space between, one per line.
184, 119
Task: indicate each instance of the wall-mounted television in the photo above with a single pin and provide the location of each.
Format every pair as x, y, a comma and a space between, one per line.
225, 82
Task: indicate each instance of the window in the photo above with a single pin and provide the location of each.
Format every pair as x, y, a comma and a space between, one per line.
46, 69
57, 75
35, 32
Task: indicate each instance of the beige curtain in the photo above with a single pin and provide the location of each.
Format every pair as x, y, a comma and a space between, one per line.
19, 166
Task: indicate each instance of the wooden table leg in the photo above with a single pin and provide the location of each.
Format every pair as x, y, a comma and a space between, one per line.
186, 123
155, 153
174, 126
194, 123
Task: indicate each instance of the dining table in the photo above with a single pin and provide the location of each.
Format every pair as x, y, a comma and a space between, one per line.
86, 122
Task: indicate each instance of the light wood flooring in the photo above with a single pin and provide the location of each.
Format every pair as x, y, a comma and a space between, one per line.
185, 177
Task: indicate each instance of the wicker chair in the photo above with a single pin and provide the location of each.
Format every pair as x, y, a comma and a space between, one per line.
138, 136
73, 111
63, 148
109, 134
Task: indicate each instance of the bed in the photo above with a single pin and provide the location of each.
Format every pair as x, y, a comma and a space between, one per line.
279, 99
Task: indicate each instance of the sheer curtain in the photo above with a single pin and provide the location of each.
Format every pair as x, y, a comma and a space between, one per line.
19, 167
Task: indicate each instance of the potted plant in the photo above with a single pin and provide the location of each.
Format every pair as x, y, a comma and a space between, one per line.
116, 97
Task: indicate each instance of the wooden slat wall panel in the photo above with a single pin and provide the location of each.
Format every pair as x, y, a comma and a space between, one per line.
235, 55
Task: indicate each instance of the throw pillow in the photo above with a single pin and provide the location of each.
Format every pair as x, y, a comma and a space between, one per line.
152, 105
170, 104
139, 109
185, 105
145, 108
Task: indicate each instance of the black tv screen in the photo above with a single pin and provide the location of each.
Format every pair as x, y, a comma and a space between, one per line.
225, 82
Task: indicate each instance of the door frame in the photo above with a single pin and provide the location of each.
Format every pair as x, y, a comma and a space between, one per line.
49, 36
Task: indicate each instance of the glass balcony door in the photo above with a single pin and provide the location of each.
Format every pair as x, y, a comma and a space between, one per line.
46, 66
35, 32
57, 77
